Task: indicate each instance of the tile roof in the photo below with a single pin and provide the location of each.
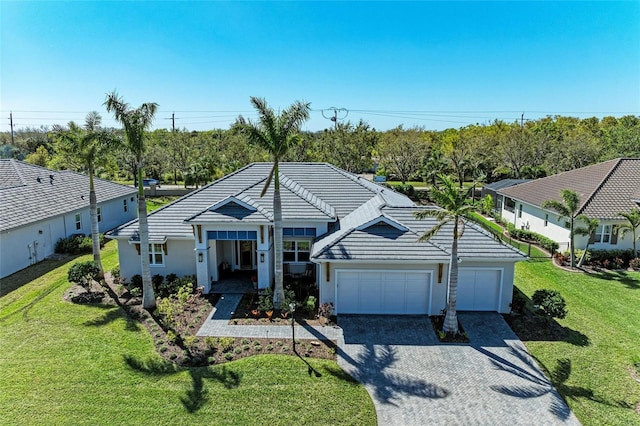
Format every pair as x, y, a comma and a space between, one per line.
605, 189
309, 192
382, 241
30, 193
504, 183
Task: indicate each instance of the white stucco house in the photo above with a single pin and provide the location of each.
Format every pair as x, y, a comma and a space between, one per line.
605, 190
358, 239
39, 206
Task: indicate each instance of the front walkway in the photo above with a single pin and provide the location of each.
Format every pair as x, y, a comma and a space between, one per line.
217, 324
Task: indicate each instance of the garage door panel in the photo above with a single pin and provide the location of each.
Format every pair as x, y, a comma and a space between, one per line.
478, 289
383, 292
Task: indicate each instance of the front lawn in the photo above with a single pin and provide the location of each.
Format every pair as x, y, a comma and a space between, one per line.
593, 366
62, 363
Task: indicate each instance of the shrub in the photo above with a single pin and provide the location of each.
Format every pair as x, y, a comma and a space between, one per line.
525, 235
83, 273
265, 301
157, 281
228, 356
635, 263
170, 278
136, 282
172, 337
610, 257
550, 303
486, 204
518, 302
325, 310
77, 244
115, 274
191, 341
405, 189
226, 343
309, 304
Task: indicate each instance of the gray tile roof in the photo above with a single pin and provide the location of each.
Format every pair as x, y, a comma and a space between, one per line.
504, 183
382, 241
31, 193
605, 189
309, 191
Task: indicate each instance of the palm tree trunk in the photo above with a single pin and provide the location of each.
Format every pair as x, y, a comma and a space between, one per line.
572, 251
278, 294
148, 297
451, 318
95, 233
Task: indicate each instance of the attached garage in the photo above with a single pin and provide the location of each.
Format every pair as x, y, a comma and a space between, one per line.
383, 292
479, 289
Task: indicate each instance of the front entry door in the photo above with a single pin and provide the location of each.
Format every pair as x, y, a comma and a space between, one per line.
247, 255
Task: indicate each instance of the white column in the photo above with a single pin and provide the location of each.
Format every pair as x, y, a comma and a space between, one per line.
202, 268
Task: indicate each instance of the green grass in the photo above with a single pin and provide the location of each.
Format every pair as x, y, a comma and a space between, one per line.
604, 309
154, 203
414, 183
62, 363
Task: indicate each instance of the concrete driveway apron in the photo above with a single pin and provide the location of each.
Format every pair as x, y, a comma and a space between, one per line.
415, 380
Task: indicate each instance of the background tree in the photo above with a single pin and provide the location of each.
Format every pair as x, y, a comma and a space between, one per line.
454, 208
402, 152
568, 208
88, 147
136, 122
276, 133
632, 226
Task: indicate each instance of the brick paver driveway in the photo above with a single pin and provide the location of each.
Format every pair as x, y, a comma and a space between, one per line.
414, 380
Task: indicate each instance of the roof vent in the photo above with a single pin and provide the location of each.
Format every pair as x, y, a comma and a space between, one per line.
38, 179
51, 181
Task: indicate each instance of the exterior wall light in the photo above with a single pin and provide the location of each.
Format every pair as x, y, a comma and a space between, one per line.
261, 257
200, 257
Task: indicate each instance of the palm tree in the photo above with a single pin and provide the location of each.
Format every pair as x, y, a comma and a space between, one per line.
135, 122
454, 207
632, 225
569, 209
89, 147
589, 229
276, 133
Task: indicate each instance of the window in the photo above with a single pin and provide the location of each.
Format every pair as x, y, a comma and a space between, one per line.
156, 254
546, 219
78, 221
126, 207
509, 204
603, 234
99, 214
296, 251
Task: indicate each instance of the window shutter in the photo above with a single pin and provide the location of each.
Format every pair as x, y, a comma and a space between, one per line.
164, 248
137, 248
614, 235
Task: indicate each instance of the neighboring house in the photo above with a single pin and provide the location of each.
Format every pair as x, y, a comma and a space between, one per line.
358, 239
39, 206
493, 188
605, 189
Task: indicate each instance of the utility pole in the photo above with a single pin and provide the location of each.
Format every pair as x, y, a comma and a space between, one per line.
338, 114
522, 120
173, 146
11, 124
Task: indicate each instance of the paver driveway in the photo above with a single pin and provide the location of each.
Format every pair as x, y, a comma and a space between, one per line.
415, 380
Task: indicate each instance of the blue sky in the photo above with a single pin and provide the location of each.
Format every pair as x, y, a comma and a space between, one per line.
430, 64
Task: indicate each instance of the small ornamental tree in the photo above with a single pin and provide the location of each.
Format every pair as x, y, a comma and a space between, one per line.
84, 273
550, 303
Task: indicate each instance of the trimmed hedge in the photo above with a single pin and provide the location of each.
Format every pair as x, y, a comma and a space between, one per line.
77, 244
525, 235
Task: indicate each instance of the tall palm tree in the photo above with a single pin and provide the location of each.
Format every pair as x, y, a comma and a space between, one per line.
590, 226
89, 147
454, 208
276, 132
567, 208
135, 122
632, 225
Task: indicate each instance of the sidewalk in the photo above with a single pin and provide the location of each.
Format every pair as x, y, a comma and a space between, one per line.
217, 324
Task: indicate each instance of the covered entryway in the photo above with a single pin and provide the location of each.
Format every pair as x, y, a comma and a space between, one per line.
382, 292
479, 289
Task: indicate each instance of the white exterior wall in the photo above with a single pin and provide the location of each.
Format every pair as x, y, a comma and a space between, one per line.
180, 259
438, 290
533, 219
26, 245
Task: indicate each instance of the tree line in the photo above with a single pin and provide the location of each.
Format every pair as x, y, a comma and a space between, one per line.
481, 152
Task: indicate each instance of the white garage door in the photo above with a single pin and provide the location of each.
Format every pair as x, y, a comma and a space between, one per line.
382, 292
479, 289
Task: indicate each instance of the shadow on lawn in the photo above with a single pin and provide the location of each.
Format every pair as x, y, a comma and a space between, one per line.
113, 313
372, 368
540, 385
620, 276
33, 272
197, 395
529, 326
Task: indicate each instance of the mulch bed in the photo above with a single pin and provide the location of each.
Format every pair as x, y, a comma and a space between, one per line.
437, 321
179, 345
246, 314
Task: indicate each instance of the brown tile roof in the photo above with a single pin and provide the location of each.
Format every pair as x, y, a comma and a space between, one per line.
605, 189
